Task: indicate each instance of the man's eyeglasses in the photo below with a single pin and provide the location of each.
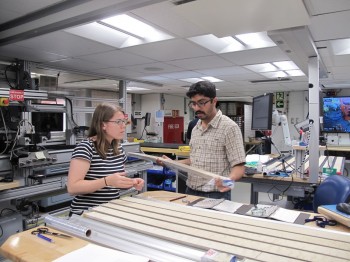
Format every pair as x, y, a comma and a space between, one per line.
119, 122
199, 103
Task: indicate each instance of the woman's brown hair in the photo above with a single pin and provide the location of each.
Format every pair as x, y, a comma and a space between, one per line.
103, 112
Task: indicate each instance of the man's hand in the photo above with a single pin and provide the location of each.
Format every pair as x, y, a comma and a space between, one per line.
220, 186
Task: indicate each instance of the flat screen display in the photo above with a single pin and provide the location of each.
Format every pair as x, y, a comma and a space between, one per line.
262, 112
45, 122
336, 114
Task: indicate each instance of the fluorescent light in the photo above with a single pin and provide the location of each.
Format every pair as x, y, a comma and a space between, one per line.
286, 65
341, 46
191, 80
256, 40
130, 24
217, 45
278, 74
295, 72
130, 33
134, 88
212, 79
206, 78
258, 68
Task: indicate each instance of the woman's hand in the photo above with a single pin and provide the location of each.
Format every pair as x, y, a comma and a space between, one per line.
138, 183
119, 180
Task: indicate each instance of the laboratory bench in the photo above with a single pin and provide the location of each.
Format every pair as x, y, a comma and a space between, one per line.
155, 222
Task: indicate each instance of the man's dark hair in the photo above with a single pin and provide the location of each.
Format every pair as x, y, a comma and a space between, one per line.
204, 88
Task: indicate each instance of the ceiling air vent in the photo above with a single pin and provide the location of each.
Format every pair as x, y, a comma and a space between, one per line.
182, 2
47, 81
270, 80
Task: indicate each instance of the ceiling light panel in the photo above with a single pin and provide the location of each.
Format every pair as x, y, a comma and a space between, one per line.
212, 79
295, 72
217, 45
135, 27
341, 46
265, 67
286, 65
278, 74
111, 36
103, 34
256, 40
191, 80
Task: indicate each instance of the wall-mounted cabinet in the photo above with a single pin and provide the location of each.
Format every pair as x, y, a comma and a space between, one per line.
235, 111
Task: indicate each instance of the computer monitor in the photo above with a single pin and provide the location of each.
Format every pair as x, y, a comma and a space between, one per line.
147, 119
262, 112
336, 114
45, 122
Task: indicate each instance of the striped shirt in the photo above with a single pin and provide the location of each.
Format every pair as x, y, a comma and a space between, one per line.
99, 168
216, 149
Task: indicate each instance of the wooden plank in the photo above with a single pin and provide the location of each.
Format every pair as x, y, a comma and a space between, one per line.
9, 185
333, 215
247, 229
26, 247
225, 228
211, 235
284, 227
176, 165
170, 235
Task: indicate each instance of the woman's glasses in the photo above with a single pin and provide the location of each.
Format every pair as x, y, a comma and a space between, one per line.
119, 122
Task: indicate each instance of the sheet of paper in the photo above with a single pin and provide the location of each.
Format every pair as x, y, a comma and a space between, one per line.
40, 155
95, 253
285, 215
228, 206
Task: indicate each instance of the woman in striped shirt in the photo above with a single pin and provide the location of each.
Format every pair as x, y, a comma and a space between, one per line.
96, 172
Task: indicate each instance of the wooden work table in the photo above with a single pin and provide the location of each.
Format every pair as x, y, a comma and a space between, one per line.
26, 247
184, 199
9, 185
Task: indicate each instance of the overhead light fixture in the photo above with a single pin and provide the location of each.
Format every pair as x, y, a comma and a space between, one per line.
134, 88
212, 79
297, 72
277, 74
130, 25
204, 78
233, 43
120, 31
256, 40
286, 65
217, 45
265, 67
341, 46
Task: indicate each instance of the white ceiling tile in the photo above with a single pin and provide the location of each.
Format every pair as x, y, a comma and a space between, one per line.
153, 68
256, 56
227, 17
116, 58
204, 62
168, 50
19, 52
224, 71
64, 44
330, 26
164, 16
182, 75
119, 72
76, 64
319, 7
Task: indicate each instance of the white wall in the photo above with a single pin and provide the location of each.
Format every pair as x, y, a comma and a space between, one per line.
296, 109
152, 103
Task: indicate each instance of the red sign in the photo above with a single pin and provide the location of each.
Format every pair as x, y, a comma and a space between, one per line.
16, 95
